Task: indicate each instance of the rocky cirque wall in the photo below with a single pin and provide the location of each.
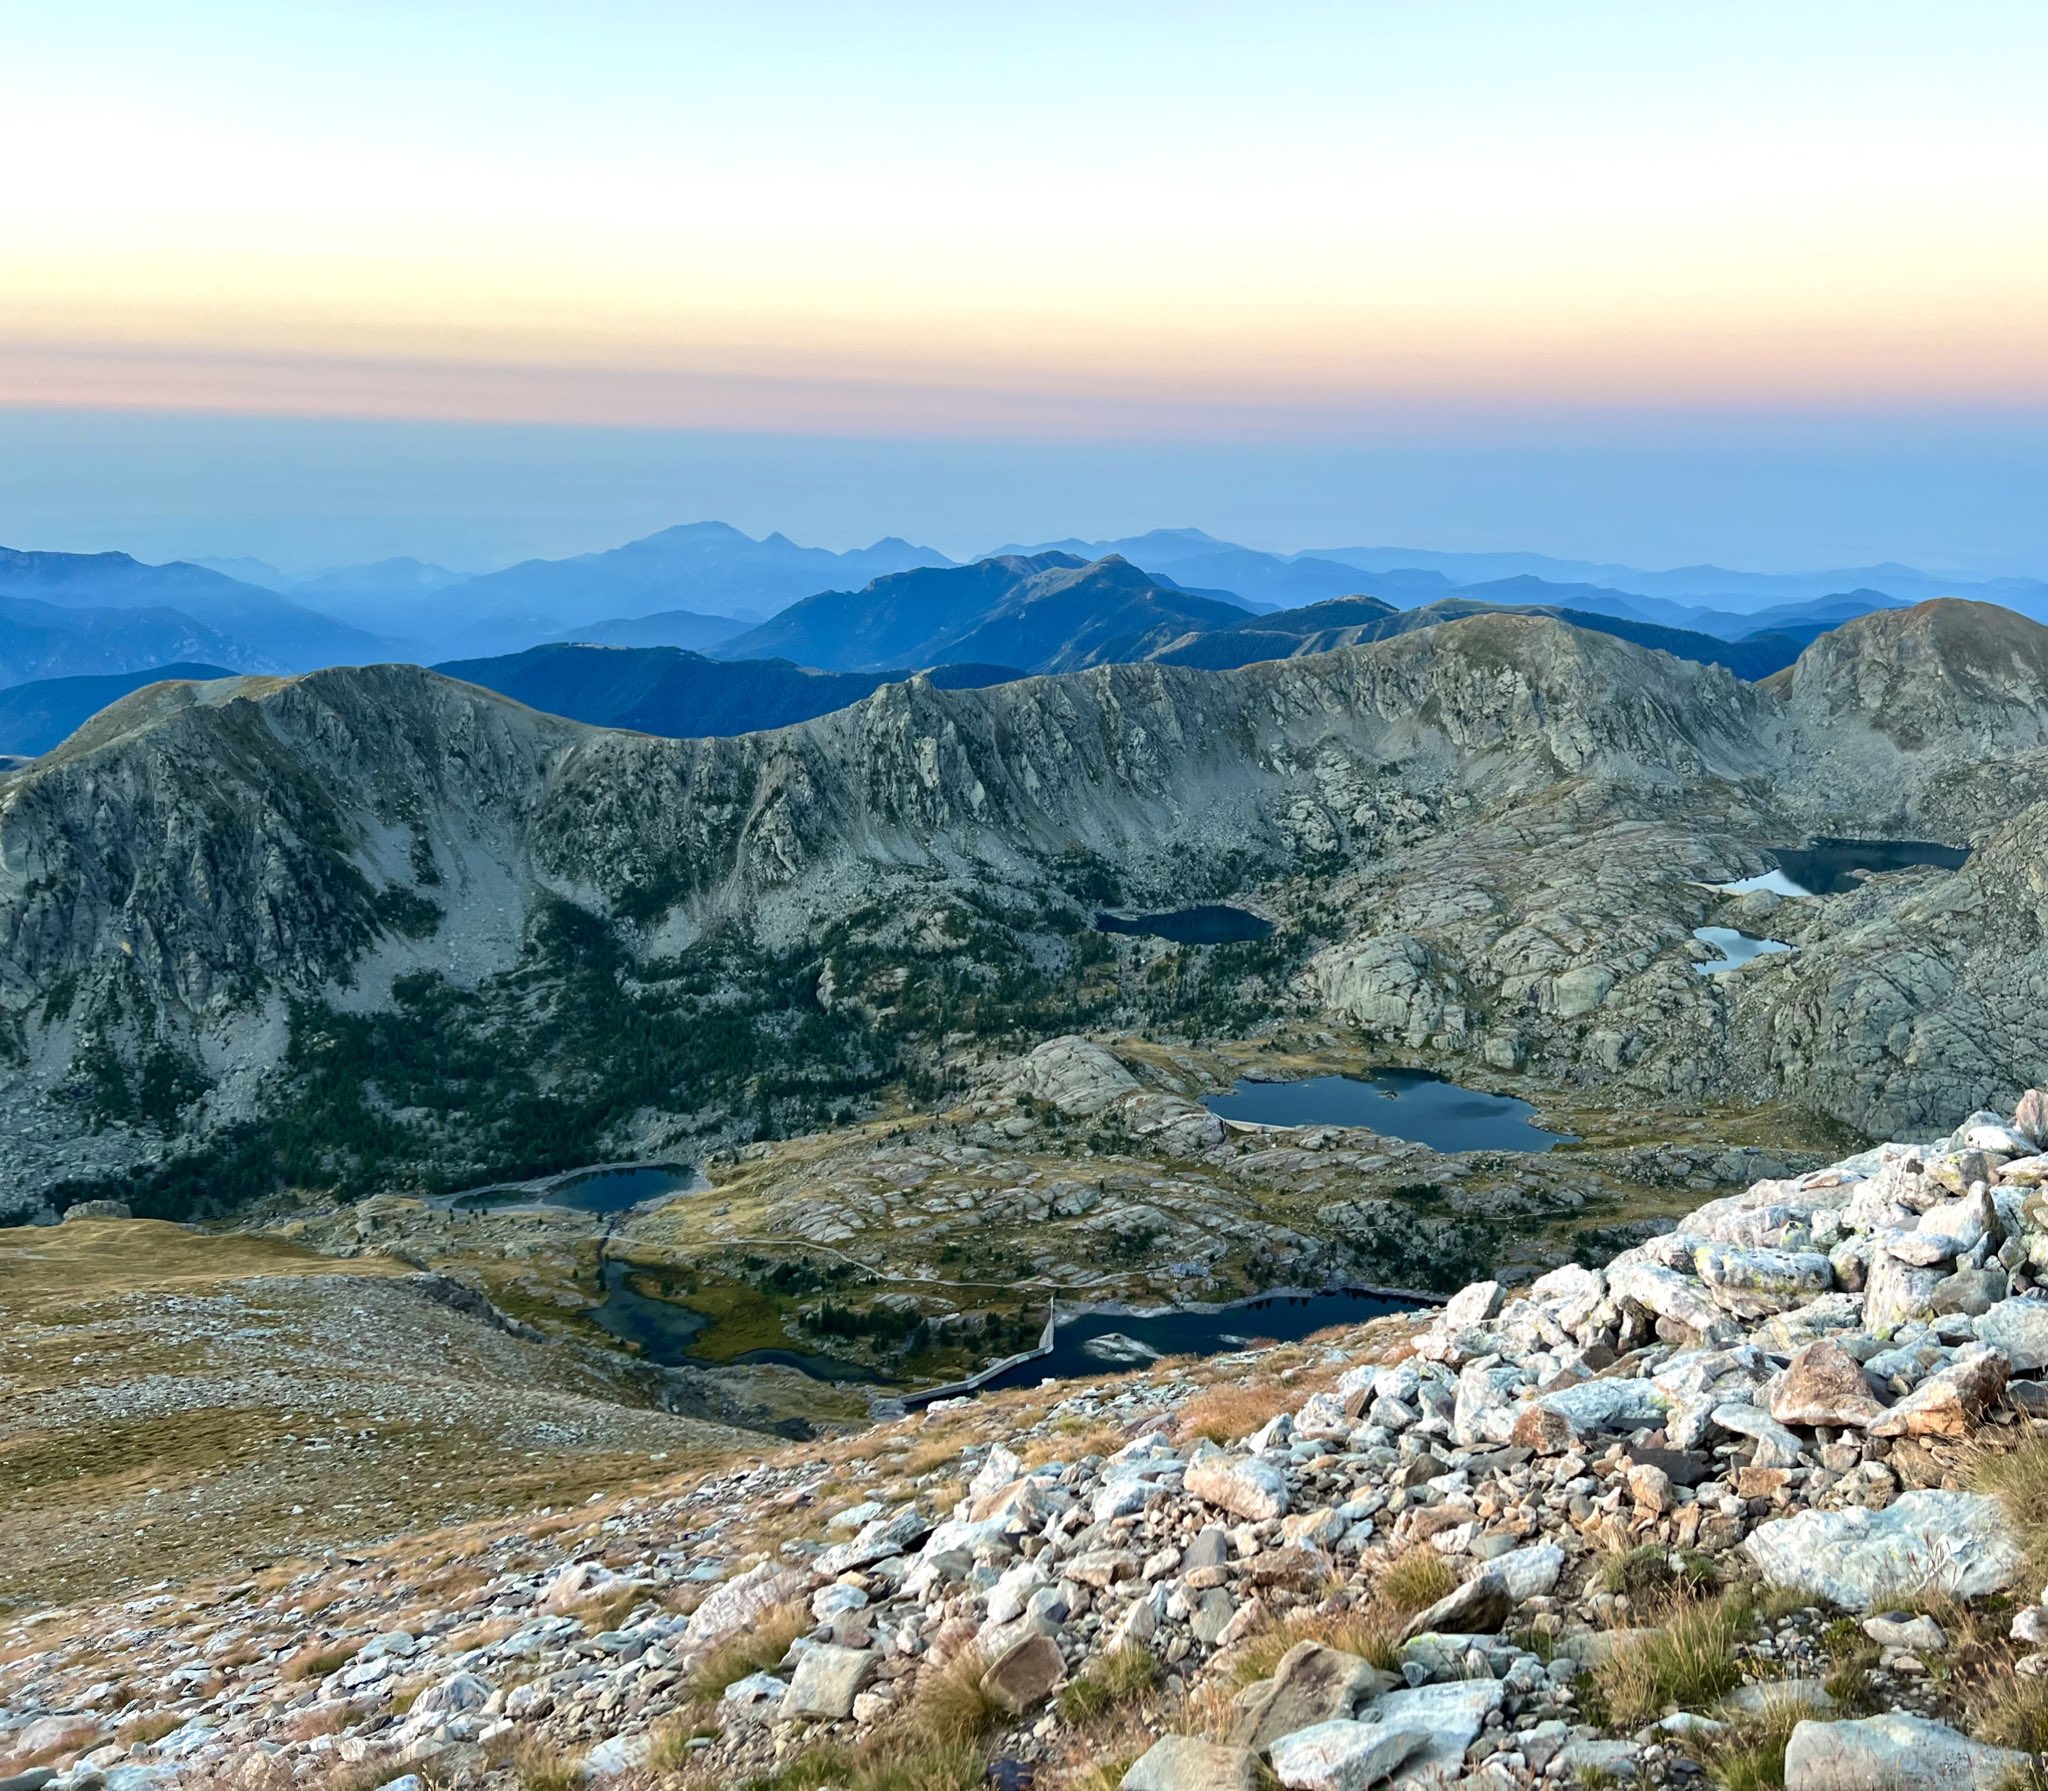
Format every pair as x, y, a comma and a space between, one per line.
198, 852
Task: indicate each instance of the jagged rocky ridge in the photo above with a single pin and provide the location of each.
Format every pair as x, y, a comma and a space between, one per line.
200, 855
1793, 1395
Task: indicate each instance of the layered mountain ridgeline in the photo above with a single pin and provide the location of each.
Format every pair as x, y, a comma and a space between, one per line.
1351, 621
45, 642
1047, 612
227, 622
661, 690
377, 928
706, 567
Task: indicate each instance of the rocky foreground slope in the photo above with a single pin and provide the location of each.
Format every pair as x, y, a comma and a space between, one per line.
1762, 1500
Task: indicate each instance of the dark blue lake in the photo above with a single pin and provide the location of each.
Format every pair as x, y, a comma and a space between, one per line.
1828, 866
1409, 1104
1207, 924
599, 1191
1095, 1343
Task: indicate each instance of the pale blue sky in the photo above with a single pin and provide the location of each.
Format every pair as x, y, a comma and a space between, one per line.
1761, 283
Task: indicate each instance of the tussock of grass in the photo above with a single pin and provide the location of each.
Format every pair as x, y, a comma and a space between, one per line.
670, 1751
1687, 1663
1654, 1577
608, 1610
2010, 1709
1415, 1579
875, 1767
1371, 1632
319, 1660
949, 1708
537, 1767
2018, 1479
143, 1730
1074, 1439
756, 1649
1749, 1755
1116, 1679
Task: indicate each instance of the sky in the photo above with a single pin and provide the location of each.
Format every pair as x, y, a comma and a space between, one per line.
1756, 283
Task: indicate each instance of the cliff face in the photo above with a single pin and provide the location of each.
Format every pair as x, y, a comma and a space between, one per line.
199, 850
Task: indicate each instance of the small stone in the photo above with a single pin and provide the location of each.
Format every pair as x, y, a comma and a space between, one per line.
1902, 1629
1312, 1684
1824, 1384
1024, 1674
1477, 1608
825, 1681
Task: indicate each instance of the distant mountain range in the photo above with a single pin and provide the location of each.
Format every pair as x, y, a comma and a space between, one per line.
1686, 597
704, 567
705, 588
1348, 621
1049, 612
663, 690
665, 628
49, 640
219, 619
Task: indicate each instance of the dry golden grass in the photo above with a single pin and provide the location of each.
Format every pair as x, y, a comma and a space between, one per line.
535, 1766
607, 1610
319, 1659
1115, 1681
479, 1635
309, 1725
1229, 1413
142, 1730
2017, 1478
1372, 1631
928, 1457
1749, 1754
50, 1272
755, 1649
948, 1708
1414, 1580
1072, 1439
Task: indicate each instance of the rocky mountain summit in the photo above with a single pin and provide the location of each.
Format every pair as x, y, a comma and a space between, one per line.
1758, 1502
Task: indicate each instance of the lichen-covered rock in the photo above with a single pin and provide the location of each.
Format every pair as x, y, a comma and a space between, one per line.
1894, 1752
1954, 1542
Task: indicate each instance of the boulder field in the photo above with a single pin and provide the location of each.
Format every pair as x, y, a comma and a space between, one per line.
1762, 1495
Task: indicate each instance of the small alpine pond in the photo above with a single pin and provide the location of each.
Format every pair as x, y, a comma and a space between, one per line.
1412, 1104
1206, 924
